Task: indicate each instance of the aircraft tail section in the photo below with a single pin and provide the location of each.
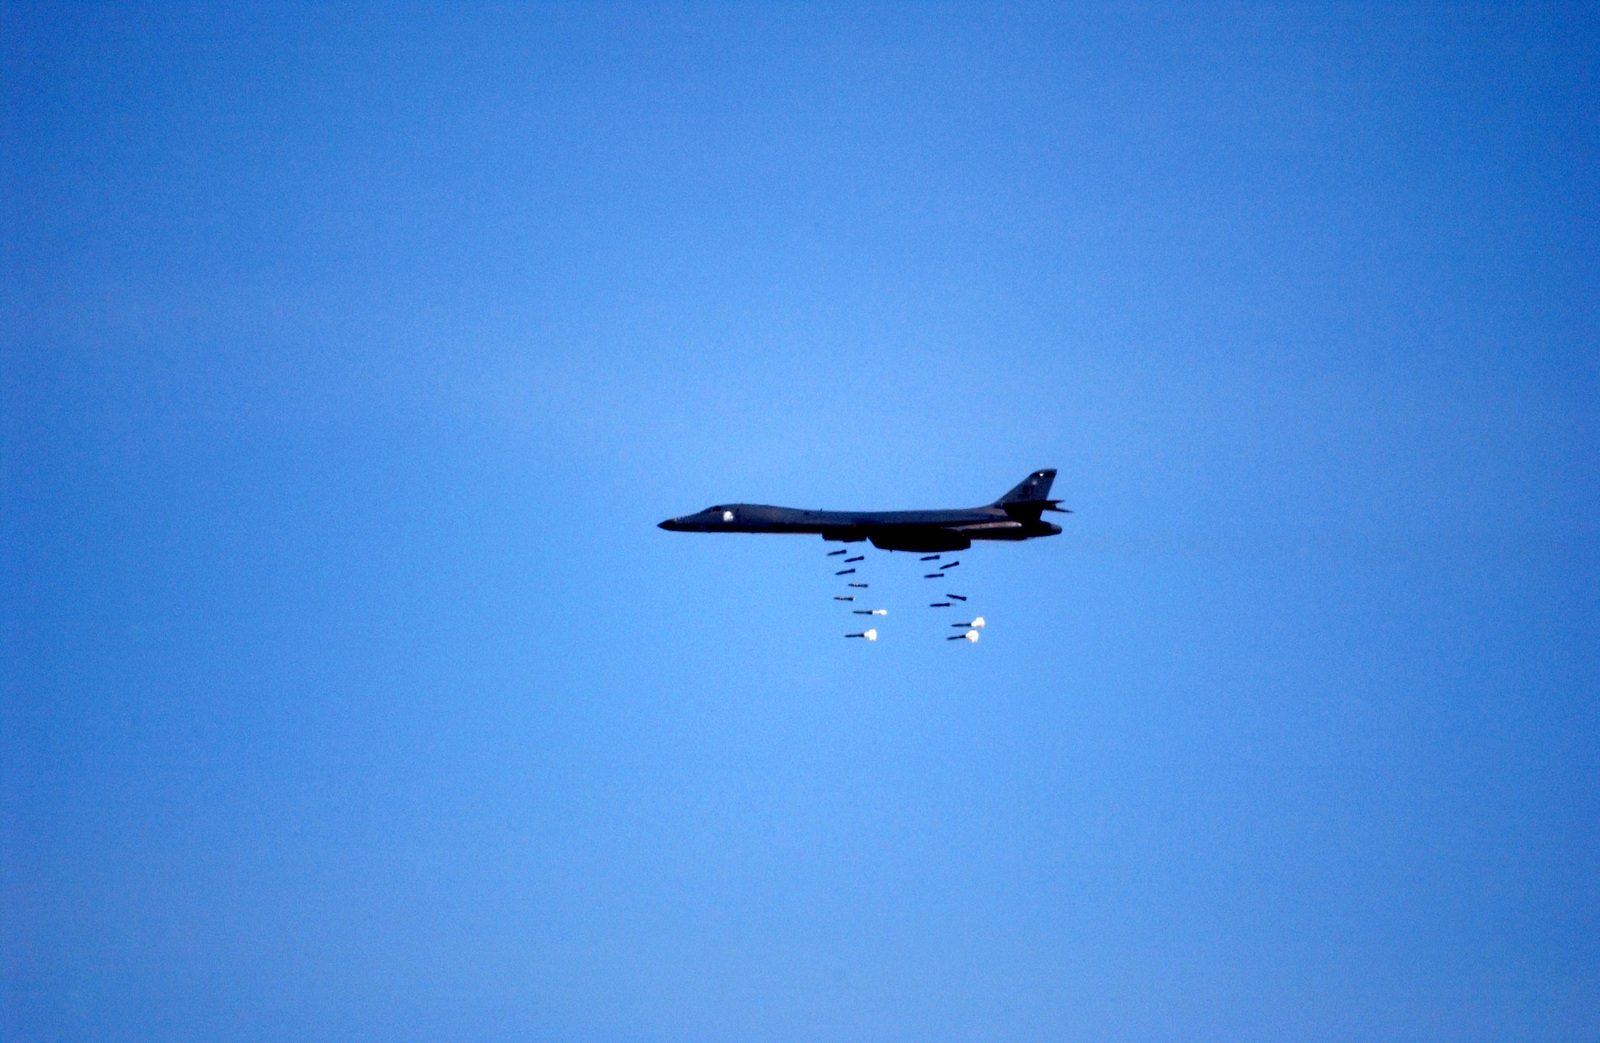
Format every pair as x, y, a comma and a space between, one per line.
1034, 489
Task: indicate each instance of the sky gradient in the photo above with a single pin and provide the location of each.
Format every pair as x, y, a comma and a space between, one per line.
349, 358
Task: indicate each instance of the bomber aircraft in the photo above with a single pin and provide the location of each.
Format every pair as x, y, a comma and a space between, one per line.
1015, 516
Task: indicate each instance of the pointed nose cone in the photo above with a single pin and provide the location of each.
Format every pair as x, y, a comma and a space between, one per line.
671, 525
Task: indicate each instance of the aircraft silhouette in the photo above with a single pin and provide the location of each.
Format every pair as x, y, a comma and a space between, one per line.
1015, 516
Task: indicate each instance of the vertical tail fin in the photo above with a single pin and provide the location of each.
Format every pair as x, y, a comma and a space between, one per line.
1033, 489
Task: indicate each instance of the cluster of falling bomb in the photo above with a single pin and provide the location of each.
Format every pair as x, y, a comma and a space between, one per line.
870, 635
971, 628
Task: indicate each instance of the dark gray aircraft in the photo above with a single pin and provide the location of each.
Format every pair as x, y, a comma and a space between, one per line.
1015, 516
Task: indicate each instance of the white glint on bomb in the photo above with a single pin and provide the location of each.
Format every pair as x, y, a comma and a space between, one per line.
880, 612
971, 635
870, 635
978, 623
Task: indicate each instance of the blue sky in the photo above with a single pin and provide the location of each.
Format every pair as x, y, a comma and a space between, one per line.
350, 357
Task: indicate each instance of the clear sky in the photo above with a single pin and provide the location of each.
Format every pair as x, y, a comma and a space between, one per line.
350, 355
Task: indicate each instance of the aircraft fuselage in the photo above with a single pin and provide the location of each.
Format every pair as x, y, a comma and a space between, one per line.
935, 530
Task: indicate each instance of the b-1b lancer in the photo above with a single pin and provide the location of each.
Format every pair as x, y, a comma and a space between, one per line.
1015, 516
